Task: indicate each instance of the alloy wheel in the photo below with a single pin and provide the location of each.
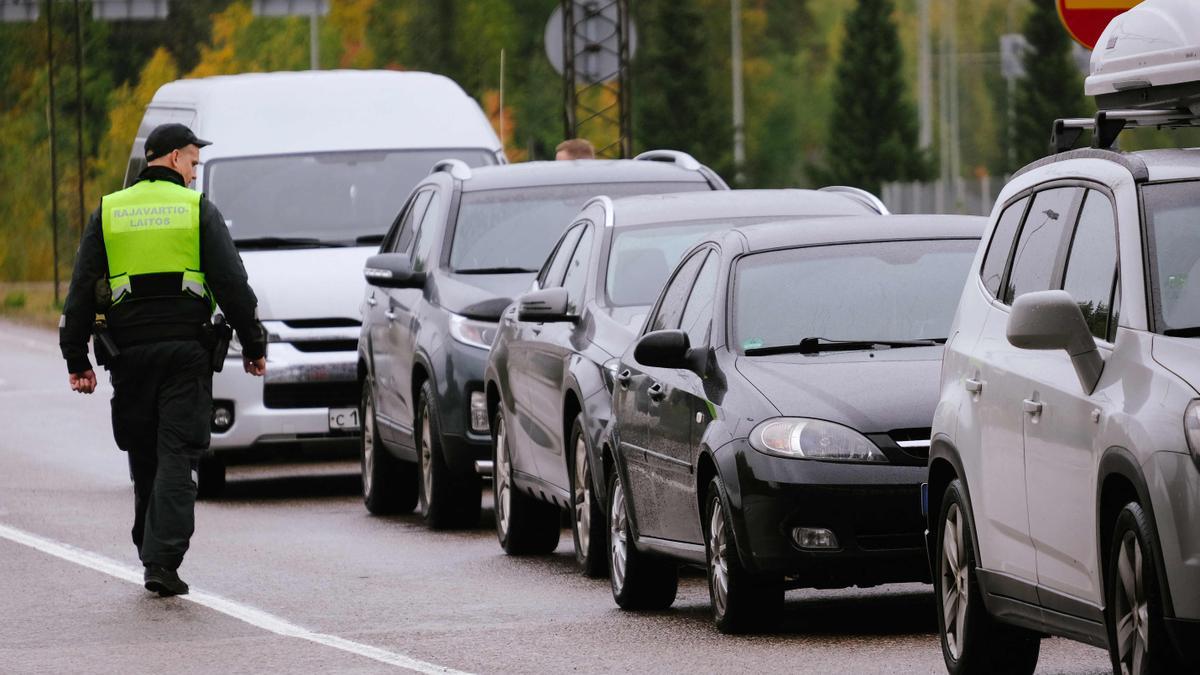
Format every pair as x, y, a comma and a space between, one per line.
582, 496
1132, 608
368, 442
718, 559
617, 523
954, 580
503, 477
426, 458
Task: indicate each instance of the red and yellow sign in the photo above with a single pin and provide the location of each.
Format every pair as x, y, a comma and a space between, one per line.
1086, 19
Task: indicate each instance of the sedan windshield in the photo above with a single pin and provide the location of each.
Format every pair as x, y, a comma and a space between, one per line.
332, 197
876, 293
1173, 230
513, 230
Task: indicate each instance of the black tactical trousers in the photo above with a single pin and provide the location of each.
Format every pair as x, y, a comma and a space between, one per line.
161, 405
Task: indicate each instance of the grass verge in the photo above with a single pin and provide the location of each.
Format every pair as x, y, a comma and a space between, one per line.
30, 302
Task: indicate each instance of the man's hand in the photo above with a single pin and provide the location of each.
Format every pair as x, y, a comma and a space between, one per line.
84, 383
255, 367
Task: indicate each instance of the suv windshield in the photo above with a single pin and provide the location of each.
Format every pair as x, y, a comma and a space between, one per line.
877, 291
514, 229
1173, 230
332, 197
641, 258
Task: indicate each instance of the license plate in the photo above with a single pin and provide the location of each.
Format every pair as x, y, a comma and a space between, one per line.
344, 418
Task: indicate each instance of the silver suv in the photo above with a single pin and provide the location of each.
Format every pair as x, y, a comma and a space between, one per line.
1064, 475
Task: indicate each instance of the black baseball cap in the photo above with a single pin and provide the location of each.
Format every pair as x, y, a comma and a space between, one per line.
167, 138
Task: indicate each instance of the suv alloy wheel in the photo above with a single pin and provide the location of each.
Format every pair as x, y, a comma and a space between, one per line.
587, 522
389, 484
524, 525
1137, 638
447, 500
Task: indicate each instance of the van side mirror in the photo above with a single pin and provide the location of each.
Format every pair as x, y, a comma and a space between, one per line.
546, 306
667, 349
392, 270
1052, 320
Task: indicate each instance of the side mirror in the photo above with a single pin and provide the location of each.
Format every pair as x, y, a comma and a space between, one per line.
666, 349
548, 306
1052, 320
392, 270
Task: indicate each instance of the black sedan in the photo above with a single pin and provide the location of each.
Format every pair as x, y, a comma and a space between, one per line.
772, 420
549, 374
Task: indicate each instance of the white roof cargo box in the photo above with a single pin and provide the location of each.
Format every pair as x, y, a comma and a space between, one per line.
1149, 57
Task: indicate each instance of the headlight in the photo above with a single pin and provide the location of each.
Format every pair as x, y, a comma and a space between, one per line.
479, 334
610, 373
801, 438
1191, 428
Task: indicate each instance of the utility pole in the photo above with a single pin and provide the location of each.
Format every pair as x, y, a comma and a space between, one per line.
79, 114
53, 147
314, 43
739, 103
925, 78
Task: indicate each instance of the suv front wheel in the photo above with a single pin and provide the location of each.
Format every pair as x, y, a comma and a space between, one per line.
972, 640
448, 500
1137, 637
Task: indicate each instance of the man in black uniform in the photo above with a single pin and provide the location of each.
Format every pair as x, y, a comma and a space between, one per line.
155, 258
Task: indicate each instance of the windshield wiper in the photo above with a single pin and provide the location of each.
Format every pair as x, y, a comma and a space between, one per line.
369, 239
285, 242
495, 270
814, 345
1194, 331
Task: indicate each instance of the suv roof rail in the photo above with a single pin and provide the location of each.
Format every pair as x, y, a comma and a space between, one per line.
686, 162
455, 167
1108, 124
861, 196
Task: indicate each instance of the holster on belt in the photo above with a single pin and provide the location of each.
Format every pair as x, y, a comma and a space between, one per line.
103, 345
216, 336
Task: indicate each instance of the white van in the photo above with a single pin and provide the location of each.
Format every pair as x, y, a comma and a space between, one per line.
309, 170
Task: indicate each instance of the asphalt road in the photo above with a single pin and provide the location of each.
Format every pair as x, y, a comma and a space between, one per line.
290, 574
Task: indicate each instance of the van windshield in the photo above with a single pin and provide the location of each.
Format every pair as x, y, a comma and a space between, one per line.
1172, 218
330, 198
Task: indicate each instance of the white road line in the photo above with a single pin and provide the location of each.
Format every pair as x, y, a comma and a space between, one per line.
250, 615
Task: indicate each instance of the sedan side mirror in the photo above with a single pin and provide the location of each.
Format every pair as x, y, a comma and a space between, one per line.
1052, 320
392, 270
546, 306
666, 349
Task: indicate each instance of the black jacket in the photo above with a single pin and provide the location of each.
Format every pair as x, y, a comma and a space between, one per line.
219, 260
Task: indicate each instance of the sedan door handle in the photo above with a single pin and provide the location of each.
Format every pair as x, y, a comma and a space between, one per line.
624, 377
974, 386
656, 392
391, 316
1032, 407
372, 301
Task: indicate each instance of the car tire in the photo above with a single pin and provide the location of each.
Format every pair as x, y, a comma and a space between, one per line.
524, 525
389, 484
742, 602
587, 515
972, 640
638, 580
448, 500
1138, 643
210, 477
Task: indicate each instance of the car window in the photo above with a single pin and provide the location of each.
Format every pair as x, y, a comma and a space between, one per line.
992, 271
697, 317
670, 309
1040, 242
575, 279
1092, 263
552, 271
427, 232
408, 224
1172, 211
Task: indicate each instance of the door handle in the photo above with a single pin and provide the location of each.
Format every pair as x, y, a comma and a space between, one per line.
391, 316
537, 330
624, 377
371, 300
1032, 407
656, 392
974, 386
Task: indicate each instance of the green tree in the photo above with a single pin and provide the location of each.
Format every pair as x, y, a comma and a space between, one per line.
1052, 86
872, 134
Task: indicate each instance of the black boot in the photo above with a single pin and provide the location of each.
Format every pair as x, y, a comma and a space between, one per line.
164, 581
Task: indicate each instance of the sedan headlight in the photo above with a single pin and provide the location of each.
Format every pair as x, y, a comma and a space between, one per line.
801, 438
1191, 428
479, 334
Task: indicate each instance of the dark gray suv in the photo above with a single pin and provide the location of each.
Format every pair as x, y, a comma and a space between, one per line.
466, 242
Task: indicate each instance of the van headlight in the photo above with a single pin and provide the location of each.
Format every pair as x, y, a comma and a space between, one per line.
802, 438
1191, 428
480, 334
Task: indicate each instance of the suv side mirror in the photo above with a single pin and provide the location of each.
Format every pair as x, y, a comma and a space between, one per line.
1052, 320
546, 306
667, 349
392, 270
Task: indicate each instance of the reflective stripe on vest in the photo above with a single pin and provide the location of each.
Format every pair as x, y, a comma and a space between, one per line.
153, 227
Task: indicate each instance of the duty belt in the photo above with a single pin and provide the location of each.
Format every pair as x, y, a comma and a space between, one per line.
164, 332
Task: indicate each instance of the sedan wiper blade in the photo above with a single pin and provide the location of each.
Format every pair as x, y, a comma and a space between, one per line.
285, 242
369, 239
495, 270
1194, 331
814, 345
